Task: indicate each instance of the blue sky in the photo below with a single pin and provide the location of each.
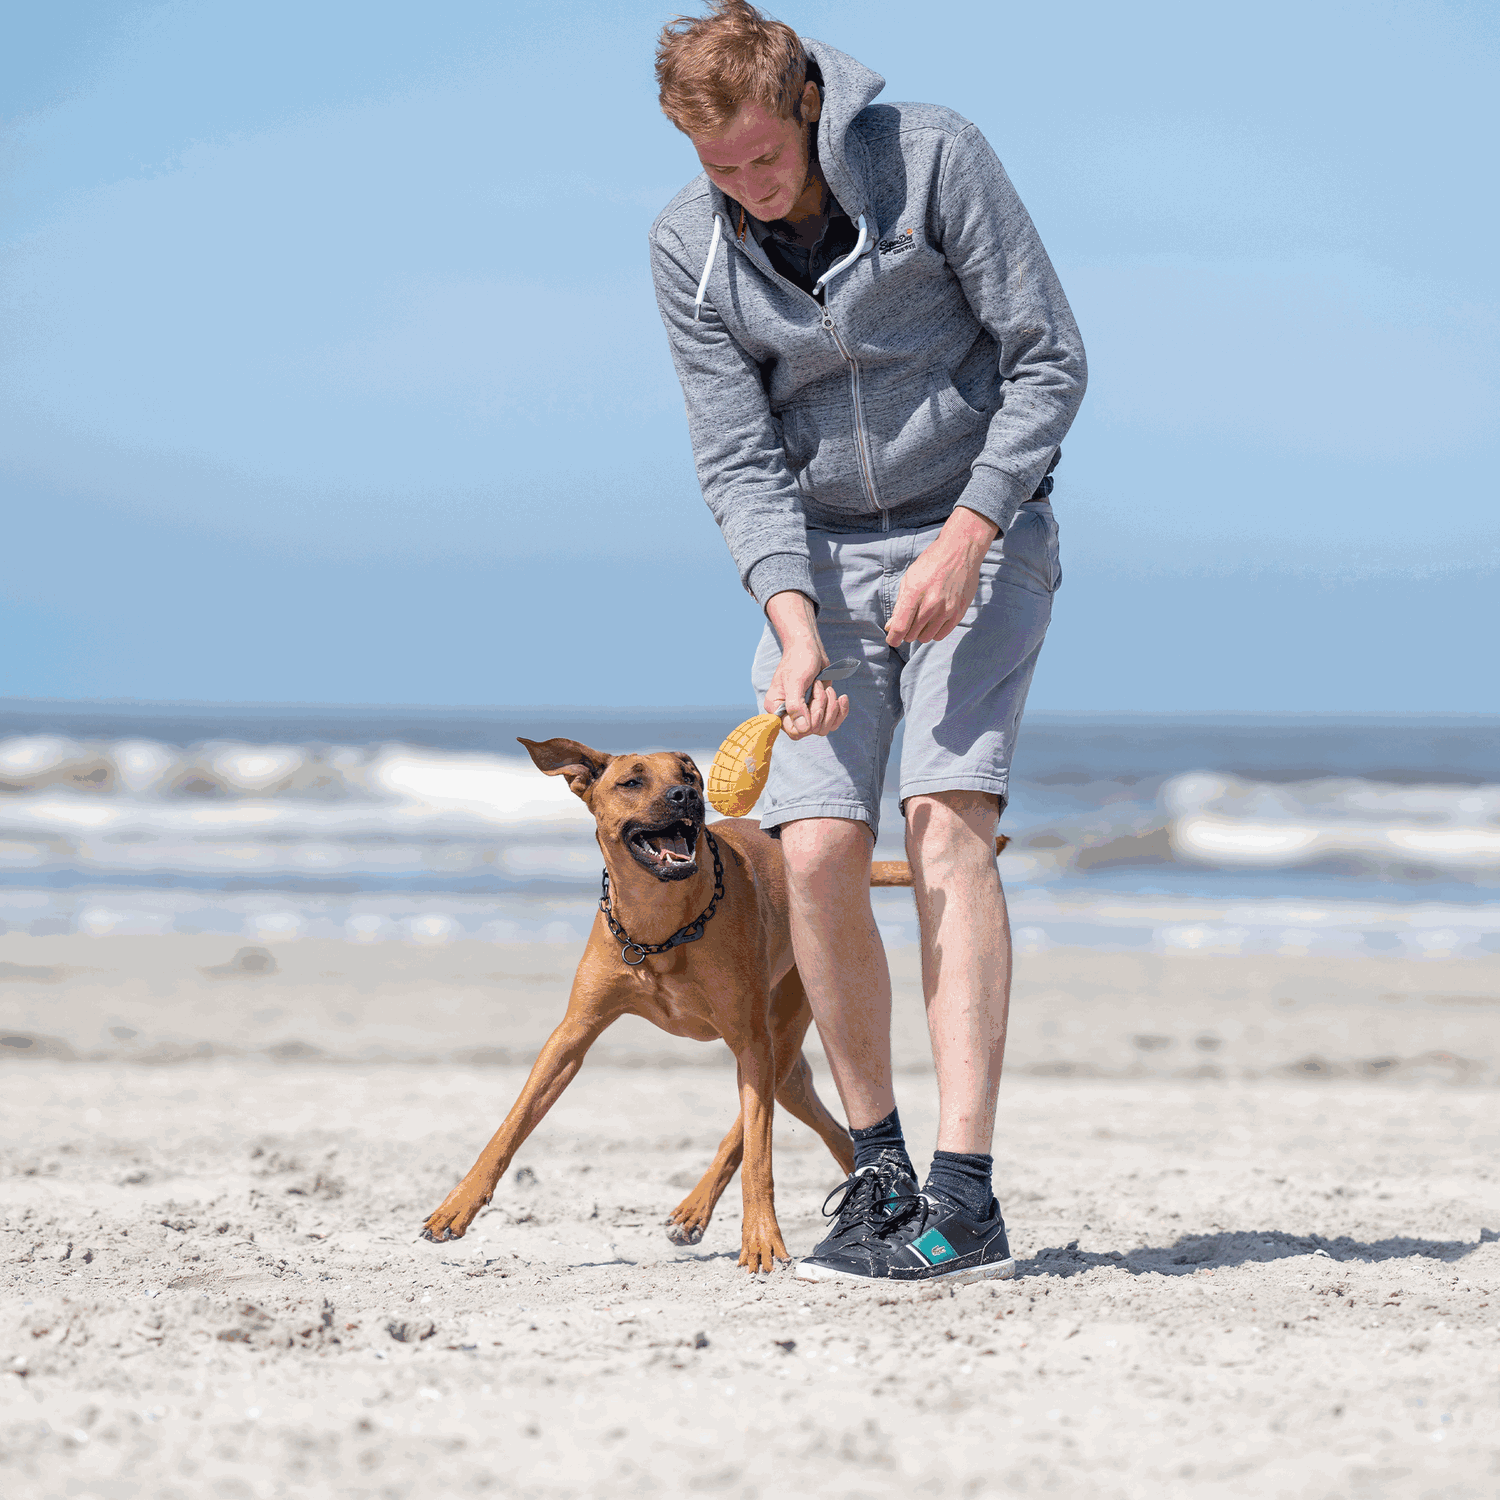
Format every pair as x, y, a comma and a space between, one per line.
329, 367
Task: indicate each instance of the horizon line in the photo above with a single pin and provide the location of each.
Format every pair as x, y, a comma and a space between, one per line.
18, 704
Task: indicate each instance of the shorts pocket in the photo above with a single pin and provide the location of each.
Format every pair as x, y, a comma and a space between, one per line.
1029, 557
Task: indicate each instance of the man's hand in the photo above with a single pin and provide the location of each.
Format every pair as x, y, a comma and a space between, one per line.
802, 658
939, 586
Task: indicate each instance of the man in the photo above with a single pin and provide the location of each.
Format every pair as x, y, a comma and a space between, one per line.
879, 367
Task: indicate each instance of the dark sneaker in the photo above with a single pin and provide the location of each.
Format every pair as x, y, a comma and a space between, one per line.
921, 1238
938, 1241
867, 1198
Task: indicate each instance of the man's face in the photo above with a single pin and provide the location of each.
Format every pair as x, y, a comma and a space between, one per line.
760, 160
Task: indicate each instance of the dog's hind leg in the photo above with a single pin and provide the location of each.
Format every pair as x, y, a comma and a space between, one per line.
800, 1100
796, 1095
686, 1222
790, 1017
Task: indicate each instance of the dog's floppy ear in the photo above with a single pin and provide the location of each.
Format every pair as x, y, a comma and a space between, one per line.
582, 766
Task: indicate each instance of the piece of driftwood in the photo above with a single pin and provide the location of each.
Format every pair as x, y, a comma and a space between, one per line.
898, 872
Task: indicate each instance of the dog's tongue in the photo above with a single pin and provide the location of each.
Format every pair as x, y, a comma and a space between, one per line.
676, 846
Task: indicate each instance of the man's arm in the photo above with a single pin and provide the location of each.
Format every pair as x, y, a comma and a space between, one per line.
992, 246
743, 473
737, 445
987, 237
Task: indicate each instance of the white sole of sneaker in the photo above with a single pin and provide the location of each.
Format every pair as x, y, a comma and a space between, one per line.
998, 1270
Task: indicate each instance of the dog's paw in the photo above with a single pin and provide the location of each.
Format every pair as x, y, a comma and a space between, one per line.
684, 1234
445, 1224
760, 1250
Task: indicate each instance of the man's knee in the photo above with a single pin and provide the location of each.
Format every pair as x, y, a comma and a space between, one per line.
822, 848
951, 828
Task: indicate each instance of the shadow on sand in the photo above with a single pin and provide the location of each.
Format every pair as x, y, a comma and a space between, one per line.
1239, 1247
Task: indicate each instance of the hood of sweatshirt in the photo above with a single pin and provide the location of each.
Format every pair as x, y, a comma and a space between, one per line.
848, 86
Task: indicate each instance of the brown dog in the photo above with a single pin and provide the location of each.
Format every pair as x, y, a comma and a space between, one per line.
669, 878
737, 982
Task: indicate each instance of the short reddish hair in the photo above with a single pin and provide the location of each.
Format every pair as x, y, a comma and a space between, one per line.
707, 67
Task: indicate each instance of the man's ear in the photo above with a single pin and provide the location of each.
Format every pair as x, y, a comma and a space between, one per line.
582, 766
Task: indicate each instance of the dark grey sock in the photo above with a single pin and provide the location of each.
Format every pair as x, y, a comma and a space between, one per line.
882, 1138
963, 1177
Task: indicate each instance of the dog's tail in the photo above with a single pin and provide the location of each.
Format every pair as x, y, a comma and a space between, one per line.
898, 872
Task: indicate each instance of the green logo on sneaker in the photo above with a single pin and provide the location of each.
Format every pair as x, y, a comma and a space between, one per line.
933, 1247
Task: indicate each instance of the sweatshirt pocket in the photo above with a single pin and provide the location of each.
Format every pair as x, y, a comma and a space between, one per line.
952, 404
924, 446
822, 451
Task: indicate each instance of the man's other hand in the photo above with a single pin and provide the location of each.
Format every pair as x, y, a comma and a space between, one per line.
802, 658
940, 584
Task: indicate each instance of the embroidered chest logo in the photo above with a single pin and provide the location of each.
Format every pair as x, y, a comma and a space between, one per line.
906, 240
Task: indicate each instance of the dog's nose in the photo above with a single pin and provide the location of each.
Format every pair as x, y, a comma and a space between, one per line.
682, 796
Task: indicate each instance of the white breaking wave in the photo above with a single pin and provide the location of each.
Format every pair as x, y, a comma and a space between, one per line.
491, 788
276, 812
1218, 820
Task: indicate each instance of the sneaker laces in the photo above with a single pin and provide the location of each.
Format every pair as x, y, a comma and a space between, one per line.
864, 1197
901, 1209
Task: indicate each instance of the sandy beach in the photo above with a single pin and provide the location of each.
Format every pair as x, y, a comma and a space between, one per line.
1254, 1202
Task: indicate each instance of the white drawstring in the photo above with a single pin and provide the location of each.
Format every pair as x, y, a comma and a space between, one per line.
848, 260
708, 265
827, 276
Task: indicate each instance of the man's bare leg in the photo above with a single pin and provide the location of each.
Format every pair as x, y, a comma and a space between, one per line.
966, 957
841, 959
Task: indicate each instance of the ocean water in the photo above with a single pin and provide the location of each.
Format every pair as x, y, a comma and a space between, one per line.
1231, 835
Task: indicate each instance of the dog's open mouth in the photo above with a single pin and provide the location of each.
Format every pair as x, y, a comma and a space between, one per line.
668, 851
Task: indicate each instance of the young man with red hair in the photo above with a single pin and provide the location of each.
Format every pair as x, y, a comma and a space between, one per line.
879, 368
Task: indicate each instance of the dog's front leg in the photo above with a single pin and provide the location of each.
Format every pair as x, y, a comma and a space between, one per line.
552, 1072
760, 1240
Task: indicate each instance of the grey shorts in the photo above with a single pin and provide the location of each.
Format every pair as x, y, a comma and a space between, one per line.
961, 697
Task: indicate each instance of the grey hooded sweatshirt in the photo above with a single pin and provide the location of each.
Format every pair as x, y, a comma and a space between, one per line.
942, 367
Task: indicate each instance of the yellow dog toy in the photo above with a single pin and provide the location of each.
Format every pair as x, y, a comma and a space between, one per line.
738, 774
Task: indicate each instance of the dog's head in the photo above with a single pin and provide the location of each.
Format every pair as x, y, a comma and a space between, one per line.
649, 805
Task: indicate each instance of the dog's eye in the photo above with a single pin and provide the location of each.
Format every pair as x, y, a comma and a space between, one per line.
634, 781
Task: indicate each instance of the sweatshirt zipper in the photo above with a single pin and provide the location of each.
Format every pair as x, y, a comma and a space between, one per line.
861, 442
866, 465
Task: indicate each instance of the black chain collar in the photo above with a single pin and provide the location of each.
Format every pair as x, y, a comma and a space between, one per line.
689, 934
